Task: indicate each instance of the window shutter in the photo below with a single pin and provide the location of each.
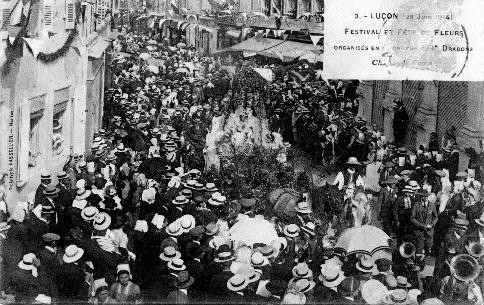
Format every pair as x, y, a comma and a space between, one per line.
23, 143
70, 15
5, 16
48, 15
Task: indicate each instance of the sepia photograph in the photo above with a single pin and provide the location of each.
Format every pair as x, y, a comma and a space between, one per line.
242, 152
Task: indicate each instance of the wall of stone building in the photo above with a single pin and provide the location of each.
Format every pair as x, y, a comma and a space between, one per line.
46, 89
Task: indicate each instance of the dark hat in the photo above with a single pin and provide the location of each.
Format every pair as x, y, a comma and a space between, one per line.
194, 250
383, 264
184, 280
50, 237
199, 199
186, 192
247, 203
197, 231
276, 287
402, 150
51, 190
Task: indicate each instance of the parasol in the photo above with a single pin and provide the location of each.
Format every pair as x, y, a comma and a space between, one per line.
253, 230
181, 45
365, 239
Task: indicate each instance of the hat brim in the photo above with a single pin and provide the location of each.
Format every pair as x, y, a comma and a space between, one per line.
169, 259
182, 268
185, 285
309, 275
335, 283
228, 259
215, 203
291, 235
303, 211
102, 227
235, 289
75, 258
180, 203
373, 270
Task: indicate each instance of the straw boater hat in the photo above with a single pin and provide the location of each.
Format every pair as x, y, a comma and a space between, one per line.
177, 264
302, 270
237, 282
180, 200
303, 208
353, 161
257, 260
331, 274
269, 251
27, 262
89, 213
291, 230
217, 199
224, 254
51, 190
187, 222
402, 282
82, 194
210, 187
304, 285
102, 221
249, 272
174, 229
72, 254
373, 292
169, 253
397, 296
366, 264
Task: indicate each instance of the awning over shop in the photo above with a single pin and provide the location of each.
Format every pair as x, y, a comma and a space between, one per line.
289, 50
255, 44
312, 56
141, 17
97, 50
233, 33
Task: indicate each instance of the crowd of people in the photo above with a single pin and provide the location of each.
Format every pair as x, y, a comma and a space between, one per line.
140, 218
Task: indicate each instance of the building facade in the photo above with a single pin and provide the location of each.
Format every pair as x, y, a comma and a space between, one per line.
432, 106
52, 91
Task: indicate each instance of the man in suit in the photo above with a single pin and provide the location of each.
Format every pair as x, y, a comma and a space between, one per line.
388, 208
45, 179
182, 294
50, 263
424, 217
456, 238
404, 206
73, 286
64, 198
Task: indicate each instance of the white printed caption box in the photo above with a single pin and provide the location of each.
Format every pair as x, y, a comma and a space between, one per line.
404, 39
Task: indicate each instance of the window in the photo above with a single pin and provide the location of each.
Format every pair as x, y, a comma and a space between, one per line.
34, 140
60, 130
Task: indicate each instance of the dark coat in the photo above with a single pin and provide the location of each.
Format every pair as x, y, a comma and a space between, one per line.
423, 216
51, 266
73, 286
25, 286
